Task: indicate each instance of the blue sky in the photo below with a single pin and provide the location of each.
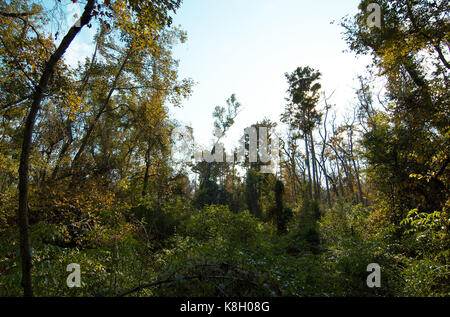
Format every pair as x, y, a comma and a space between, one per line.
246, 46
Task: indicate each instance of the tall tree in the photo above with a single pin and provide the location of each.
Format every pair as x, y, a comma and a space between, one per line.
407, 143
302, 115
38, 95
150, 17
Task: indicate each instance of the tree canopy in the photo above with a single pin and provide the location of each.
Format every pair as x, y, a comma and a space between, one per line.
89, 173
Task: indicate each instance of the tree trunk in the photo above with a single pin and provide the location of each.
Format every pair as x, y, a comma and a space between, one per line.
341, 185
146, 175
102, 110
22, 213
315, 169
323, 166
308, 166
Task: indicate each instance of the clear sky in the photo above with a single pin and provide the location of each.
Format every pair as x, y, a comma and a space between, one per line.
246, 46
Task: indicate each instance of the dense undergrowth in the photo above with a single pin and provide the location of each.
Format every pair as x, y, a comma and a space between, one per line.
217, 252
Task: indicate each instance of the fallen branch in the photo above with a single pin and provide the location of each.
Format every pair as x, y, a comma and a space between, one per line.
16, 15
187, 278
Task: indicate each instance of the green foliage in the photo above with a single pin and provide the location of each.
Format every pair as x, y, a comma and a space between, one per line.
219, 223
105, 192
427, 274
303, 235
237, 255
425, 278
351, 248
160, 222
428, 230
116, 264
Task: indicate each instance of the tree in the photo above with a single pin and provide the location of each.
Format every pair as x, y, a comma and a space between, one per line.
149, 17
38, 95
301, 114
406, 143
416, 101
209, 191
282, 214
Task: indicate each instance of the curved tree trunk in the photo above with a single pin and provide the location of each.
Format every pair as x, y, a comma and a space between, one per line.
22, 214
